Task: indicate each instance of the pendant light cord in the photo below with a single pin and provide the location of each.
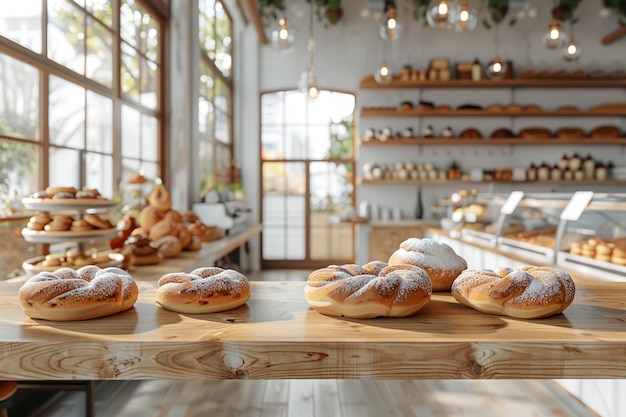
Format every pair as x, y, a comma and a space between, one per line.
311, 46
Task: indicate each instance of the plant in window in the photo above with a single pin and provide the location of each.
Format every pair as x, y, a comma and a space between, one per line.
271, 10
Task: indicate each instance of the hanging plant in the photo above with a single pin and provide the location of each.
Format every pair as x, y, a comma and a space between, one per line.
420, 9
328, 11
497, 10
270, 10
564, 10
618, 6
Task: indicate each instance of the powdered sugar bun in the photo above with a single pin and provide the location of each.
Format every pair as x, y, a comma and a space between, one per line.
372, 290
82, 294
439, 260
528, 293
203, 290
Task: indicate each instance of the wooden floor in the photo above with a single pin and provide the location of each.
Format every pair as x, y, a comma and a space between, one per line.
324, 398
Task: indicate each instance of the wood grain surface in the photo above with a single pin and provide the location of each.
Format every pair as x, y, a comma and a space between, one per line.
276, 336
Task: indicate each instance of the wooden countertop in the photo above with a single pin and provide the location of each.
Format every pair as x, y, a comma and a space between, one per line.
276, 336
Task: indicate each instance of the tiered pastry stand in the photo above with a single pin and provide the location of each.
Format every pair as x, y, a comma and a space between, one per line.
66, 206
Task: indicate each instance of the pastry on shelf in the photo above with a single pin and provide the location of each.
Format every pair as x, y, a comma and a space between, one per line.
606, 131
407, 133
428, 132
609, 107
533, 108
386, 134
502, 132
496, 108
535, 133
370, 135
425, 105
570, 133
514, 108
406, 105
470, 106
470, 133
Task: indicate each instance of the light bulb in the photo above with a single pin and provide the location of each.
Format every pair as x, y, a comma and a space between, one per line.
383, 74
496, 69
463, 18
390, 28
555, 37
308, 85
571, 52
438, 15
283, 36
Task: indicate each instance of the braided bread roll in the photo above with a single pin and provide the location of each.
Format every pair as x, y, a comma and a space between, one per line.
82, 294
527, 293
372, 290
203, 290
439, 260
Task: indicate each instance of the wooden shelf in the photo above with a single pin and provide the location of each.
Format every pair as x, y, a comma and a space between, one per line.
393, 112
368, 83
493, 141
398, 181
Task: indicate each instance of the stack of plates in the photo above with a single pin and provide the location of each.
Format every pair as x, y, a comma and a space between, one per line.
619, 173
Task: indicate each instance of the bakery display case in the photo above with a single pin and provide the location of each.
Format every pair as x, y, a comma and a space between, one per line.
584, 231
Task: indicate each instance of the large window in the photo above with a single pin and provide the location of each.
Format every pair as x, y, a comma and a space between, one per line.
307, 165
81, 84
215, 101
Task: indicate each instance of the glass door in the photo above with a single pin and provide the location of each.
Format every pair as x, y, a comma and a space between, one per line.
307, 181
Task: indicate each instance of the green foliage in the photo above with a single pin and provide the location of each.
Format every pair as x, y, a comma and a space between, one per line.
341, 140
15, 157
420, 9
270, 10
324, 10
618, 6
498, 10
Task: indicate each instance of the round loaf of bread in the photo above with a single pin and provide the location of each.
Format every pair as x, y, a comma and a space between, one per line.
527, 293
204, 290
439, 260
372, 290
85, 293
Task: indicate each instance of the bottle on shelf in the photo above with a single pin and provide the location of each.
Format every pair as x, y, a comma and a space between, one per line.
477, 70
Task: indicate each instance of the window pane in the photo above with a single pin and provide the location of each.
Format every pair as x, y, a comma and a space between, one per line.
102, 9
223, 59
19, 168
139, 29
67, 113
21, 22
149, 83
149, 138
272, 109
207, 178
129, 72
19, 110
221, 127
66, 35
64, 168
99, 173
206, 116
99, 53
318, 139
331, 193
131, 138
295, 107
99, 123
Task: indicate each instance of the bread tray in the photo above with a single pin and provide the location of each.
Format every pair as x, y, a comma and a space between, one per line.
49, 204
42, 236
594, 267
32, 267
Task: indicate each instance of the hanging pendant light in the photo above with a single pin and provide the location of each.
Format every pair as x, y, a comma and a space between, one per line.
308, 83
439, 15
383, 74
390, 27
496, 69
464, 18
283, 36
555, 37
572, 51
